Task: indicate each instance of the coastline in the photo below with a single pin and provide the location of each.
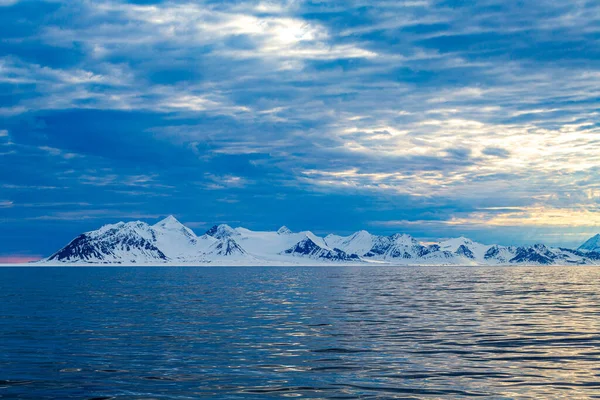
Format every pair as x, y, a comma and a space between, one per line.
267, 264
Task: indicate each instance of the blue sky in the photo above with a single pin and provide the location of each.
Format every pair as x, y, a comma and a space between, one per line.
434, 118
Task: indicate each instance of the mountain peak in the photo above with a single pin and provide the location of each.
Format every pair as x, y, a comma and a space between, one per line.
134, 225
171, 226
226, 247
222, 231
284, 230
463, 239
361, 233
591, 245
212, 230
170, 220
169, 241
314, 247
399, 236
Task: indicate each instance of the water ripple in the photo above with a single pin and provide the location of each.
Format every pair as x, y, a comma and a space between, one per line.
326, 333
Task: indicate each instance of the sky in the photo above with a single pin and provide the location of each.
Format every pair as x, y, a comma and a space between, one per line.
433, 118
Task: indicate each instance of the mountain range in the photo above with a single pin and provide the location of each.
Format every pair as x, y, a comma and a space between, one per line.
171, 242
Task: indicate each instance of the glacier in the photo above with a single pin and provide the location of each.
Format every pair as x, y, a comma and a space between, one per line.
171, 242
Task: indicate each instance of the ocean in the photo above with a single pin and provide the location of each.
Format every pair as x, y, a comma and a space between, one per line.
302, 332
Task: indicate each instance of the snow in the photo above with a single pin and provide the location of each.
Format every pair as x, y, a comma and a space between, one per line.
284, 230
593, 244
357, 243
169, 241
176, 241
452, 245
334, 240
171, 224
130, 242
270, 245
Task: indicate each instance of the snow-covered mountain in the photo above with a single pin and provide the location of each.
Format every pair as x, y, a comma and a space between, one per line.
591, 245
314, 247
222, 231
169, 241
130, 242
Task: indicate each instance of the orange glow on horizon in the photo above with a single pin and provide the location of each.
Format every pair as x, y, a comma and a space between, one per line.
18, 259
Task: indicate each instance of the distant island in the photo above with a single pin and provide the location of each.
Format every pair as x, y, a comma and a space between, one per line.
171, 242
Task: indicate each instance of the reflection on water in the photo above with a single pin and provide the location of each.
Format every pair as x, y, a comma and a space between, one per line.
381, 332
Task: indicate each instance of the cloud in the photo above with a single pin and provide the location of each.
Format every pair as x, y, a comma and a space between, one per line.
532, 216
93, 214
431, 110
6, 204
112, 88
496, 152
222, 182
58, 152
524, 217
130, 181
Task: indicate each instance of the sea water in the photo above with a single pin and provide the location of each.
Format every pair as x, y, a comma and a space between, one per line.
313, 332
